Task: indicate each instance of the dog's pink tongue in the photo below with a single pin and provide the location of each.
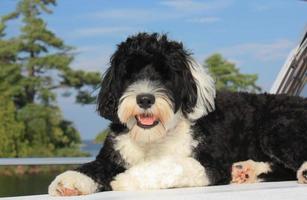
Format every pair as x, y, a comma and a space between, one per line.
146, 120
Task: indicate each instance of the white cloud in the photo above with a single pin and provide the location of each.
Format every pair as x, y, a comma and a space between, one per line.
93, 58
129, 14
186, 5
135, 15
262, 6
99, 63
169, 9
194, 6
204, 20
94, 31
276, 50
90, 49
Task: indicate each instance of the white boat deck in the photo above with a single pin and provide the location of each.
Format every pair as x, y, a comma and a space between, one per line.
289, 190
45, 161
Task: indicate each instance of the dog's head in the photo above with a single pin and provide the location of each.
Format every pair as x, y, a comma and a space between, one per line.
151, 83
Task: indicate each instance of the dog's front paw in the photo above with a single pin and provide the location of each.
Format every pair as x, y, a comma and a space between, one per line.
124, 182
302, 174
72, 183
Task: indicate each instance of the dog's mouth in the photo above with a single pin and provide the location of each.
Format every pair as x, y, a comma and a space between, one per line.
146, 120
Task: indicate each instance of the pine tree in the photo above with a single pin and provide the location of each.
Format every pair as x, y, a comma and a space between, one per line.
10, 73
44, 57
34, 65
13, 143
228, 76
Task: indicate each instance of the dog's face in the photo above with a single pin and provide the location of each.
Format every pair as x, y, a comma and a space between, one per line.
151, 84
147, 108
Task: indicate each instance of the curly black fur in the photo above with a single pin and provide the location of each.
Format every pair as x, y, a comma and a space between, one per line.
169, 58
261, 127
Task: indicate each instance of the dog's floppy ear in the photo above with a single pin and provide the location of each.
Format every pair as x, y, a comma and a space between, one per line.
187, 88
205, 91
107, 97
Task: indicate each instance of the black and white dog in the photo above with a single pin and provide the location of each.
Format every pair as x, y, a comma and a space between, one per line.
171, 129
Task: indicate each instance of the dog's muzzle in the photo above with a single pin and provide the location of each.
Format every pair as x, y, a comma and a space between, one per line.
146, 120
145, 101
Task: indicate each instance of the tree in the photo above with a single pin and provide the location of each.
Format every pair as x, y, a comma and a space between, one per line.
13, 143
11, 131
44, 57
228, 76
101, 137
34, 65
10, 73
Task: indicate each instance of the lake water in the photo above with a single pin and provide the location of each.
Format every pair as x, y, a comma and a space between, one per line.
30, 184
27, 184
90, 147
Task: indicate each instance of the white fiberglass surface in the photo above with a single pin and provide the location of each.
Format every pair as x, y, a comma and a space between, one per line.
289, 190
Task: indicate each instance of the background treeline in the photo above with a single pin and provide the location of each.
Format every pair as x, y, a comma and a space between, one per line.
34, 64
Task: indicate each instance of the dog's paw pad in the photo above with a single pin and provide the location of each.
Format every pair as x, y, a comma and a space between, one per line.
248, 171
302, 174
242, 172
72, 183
62, 191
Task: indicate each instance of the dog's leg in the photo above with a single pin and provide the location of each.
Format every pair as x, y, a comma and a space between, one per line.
90, 177
72, 183
288, 149
283, 135
248, 171
160, 174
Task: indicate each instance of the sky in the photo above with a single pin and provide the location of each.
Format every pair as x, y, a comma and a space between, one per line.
256, 35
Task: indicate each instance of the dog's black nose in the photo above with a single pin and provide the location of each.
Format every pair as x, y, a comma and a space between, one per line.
145, 100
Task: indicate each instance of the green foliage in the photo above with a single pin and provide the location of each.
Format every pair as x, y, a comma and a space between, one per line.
45, 125
32, 66
101, 137
36, 131
69, 152
228, 76
10, 73
43, 57
11, 131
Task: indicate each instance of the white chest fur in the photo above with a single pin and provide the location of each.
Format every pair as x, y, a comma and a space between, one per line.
178, 142
166, 163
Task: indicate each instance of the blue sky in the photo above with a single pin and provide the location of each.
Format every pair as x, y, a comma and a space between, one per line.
256, 35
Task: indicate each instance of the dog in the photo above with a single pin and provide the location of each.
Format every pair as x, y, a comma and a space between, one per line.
170, 128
